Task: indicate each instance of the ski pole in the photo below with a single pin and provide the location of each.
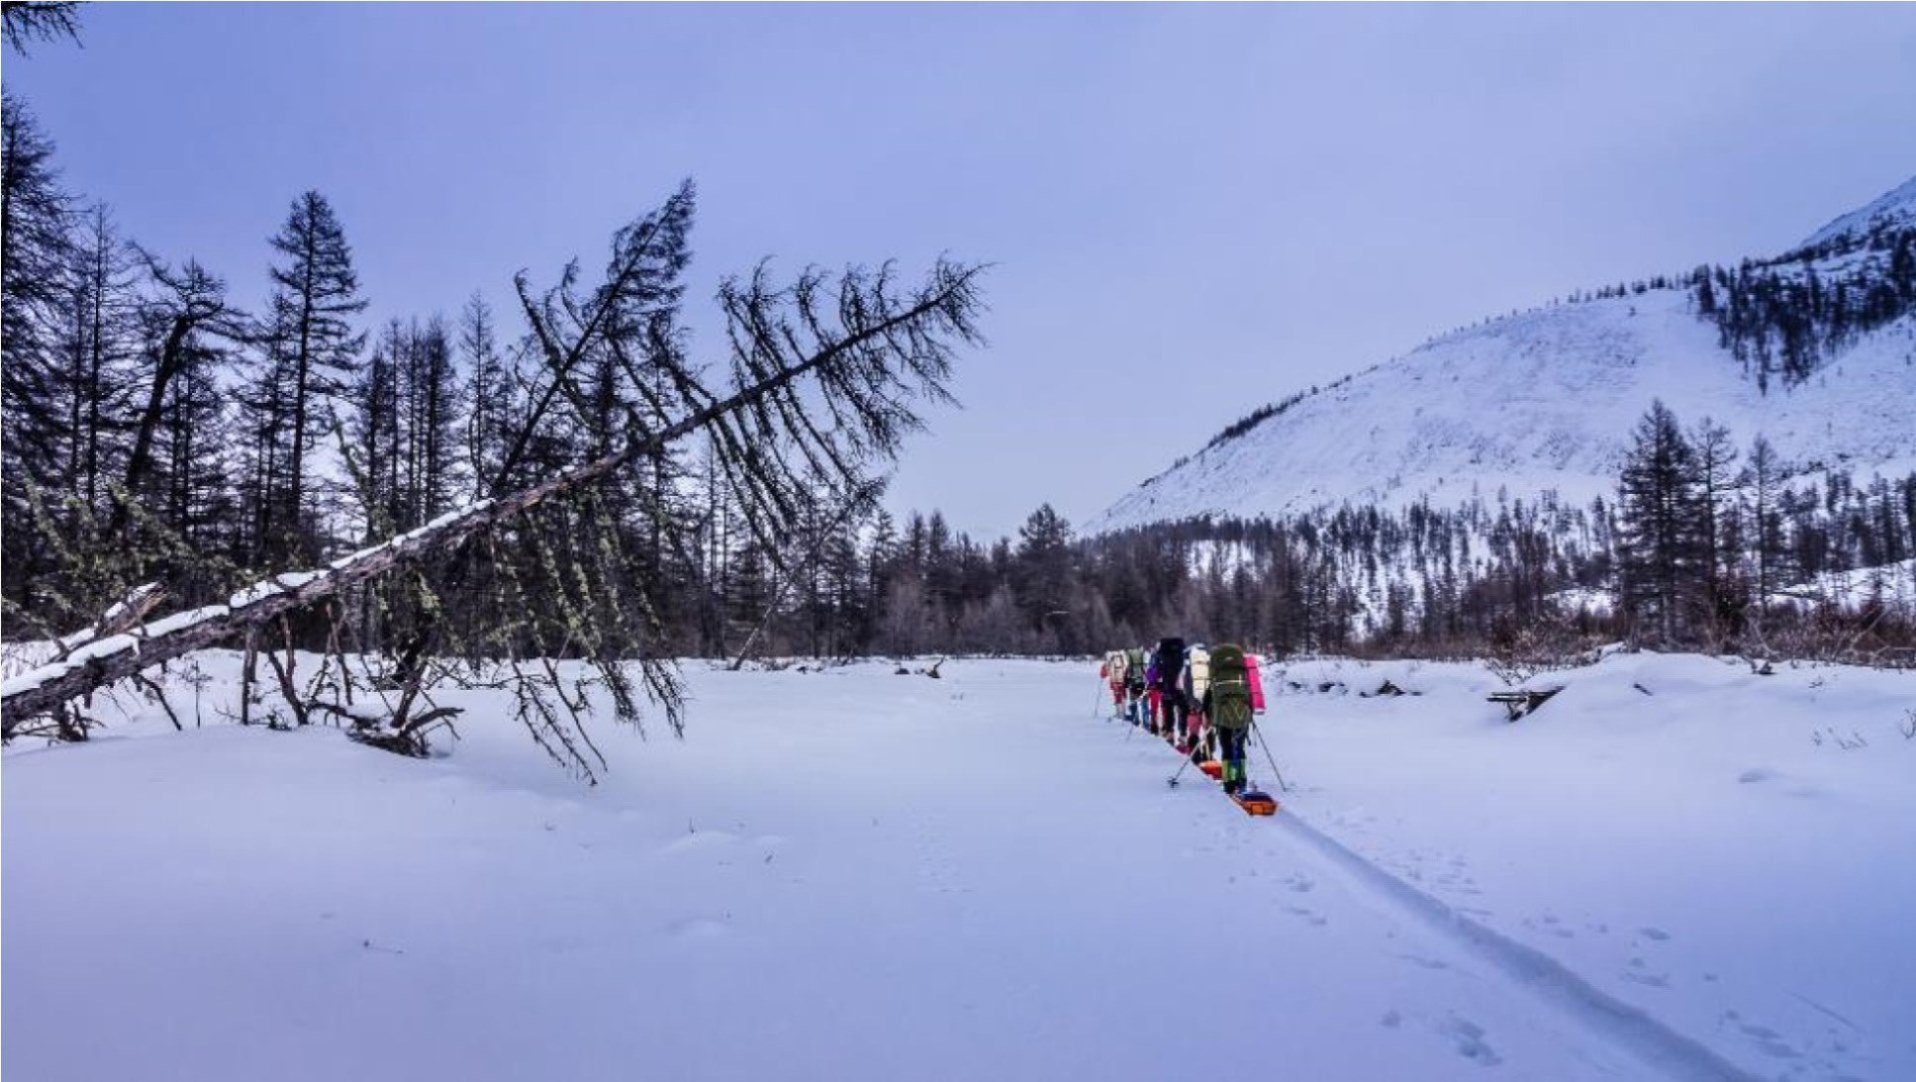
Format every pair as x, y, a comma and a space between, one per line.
1268, 757
1173, 782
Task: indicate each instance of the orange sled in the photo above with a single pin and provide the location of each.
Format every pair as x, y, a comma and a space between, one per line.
1255, 803
1212, 769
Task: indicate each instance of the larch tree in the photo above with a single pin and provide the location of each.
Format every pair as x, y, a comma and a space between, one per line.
28, 21
35, 215
1717, 483
99, 355
313, 354
1661, 566
490, 395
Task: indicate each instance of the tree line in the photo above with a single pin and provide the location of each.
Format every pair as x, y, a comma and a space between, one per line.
1704, 545
1782, 317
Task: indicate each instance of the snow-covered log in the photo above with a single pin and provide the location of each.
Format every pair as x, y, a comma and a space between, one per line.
124, 615
101, 660
873, 342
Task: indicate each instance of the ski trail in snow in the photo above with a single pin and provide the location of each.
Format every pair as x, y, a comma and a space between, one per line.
1631, 1029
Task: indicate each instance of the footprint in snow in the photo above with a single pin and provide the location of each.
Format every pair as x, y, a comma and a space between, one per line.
697, 928
1767, 1039
1467, 1038
697, 841
1657, 934
1553, 926
1316, 919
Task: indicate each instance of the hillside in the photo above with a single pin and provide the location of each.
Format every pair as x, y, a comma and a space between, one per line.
1895, 209
1546, 399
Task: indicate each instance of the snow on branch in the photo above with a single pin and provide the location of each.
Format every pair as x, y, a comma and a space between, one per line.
884, 349
122, 646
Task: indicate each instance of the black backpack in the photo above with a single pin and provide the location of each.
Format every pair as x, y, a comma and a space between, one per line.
1170, 664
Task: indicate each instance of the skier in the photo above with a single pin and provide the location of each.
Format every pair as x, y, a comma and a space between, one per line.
1197, 680
1170, 685
1228, 705
1113, 673
1134, 685
1154, 692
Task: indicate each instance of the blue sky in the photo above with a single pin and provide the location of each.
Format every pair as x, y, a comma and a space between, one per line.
1192, 209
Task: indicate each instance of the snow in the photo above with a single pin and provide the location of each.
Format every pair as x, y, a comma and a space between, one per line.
1895, 208
1672, 869
1894, 585
180, 621
118, 609
1544, 401
285, 582
93, 648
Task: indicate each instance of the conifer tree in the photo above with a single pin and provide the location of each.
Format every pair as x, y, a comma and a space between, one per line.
313, 352
35, 214
28, 21
99, 355
1661, 565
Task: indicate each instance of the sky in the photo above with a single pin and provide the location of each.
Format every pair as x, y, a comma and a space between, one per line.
1189, 210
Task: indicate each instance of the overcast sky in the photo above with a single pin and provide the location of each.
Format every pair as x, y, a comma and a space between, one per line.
1192, 209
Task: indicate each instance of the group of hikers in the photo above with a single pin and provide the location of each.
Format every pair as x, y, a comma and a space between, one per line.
1201, 700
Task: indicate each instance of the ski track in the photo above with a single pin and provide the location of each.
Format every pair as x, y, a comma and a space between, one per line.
1628, 1028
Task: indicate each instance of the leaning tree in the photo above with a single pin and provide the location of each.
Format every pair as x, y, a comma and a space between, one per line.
823, 375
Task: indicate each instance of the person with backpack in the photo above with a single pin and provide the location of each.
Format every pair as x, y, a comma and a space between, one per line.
1134, 685
1153, 695
1113, 673
1228, 705
1197, 680
1170, 688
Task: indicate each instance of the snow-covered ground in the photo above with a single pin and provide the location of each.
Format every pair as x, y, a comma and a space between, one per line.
1891, 585
1674, 869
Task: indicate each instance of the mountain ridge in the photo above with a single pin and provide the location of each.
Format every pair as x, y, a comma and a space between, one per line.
1545, 400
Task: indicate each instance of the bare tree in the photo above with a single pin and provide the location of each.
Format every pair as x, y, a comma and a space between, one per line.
40, 20
824, 378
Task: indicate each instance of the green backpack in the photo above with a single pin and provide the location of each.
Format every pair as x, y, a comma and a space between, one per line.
1230, 688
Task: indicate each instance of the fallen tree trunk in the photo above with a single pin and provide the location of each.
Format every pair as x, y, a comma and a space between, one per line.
116, 657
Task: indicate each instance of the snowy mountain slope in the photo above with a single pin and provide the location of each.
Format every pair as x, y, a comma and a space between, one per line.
1546, 400
1893, 209
856, 875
